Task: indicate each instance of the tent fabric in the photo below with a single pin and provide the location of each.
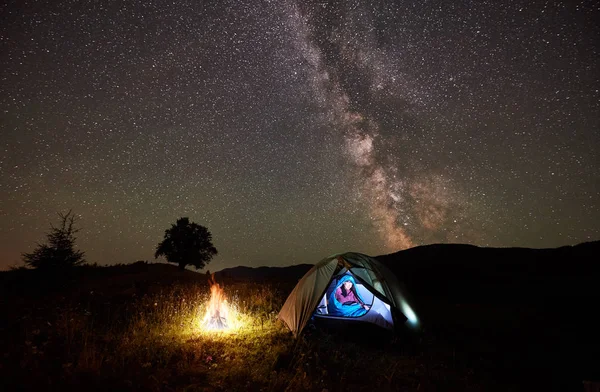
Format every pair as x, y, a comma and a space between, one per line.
310, 297
303, 299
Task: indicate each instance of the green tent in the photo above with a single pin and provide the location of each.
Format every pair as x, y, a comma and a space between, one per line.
350, 287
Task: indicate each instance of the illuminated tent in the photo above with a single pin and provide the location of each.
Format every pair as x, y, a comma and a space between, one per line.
374, 285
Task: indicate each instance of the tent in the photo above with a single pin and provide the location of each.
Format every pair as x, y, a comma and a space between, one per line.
376, 292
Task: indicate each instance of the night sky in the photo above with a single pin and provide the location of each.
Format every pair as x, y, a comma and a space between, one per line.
294, 130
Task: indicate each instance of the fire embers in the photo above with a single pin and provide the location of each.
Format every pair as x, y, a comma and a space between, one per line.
217, 309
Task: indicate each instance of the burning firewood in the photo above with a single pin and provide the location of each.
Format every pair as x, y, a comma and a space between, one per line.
217, 309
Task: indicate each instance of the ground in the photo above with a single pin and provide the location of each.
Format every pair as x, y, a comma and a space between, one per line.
135, 328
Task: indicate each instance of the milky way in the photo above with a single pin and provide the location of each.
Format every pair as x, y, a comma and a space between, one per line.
297, 129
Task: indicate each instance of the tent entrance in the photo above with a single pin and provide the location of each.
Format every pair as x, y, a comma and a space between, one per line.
353, 301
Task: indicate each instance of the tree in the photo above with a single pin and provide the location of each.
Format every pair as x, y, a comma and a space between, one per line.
187, 243
59, 251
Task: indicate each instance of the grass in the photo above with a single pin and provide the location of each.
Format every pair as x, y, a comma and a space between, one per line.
96, 334
150, 343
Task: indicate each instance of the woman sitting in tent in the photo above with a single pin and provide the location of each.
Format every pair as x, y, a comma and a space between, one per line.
345, 300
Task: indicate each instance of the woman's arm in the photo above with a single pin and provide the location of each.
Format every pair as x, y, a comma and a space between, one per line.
357, 296
365, 306
339, 296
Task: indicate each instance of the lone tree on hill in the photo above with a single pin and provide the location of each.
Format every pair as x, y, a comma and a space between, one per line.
187, 243
59, 251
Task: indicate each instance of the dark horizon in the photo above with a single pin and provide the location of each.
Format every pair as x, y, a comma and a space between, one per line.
294, 130
463, 249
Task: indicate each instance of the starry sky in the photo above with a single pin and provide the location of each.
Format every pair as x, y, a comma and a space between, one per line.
297, 129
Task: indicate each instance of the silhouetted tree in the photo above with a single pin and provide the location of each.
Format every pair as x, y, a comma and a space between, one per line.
187, 243
59, 251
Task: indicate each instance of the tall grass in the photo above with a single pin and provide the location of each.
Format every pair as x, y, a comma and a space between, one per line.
154, 342
150, 342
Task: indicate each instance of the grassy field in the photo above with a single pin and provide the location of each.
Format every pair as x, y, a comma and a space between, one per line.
138, 328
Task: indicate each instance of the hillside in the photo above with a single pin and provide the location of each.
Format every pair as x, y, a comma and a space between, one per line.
262, 274
529, 311
493, 320
465, 271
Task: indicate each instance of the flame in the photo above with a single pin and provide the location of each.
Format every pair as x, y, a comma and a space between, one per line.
217, 309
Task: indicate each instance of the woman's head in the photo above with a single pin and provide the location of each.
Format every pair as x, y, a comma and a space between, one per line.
346, 284
345, 280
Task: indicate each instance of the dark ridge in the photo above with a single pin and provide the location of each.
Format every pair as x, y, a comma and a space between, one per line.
137, 278
534, 311
264, 274
464, 272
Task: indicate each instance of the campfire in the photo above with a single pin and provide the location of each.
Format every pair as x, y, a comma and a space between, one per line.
217, 310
